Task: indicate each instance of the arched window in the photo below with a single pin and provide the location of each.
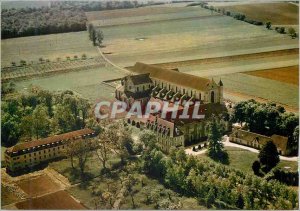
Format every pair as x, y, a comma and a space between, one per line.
212, 97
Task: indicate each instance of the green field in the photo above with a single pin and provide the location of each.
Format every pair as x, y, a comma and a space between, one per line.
243, 159
209, 35
46, 46
87, 82
165, 34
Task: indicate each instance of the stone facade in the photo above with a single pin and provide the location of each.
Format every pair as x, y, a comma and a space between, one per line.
257, 141
29, 154
153, 83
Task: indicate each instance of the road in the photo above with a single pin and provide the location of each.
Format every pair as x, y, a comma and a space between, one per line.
227, 143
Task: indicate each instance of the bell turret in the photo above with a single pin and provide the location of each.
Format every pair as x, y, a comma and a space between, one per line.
220, 83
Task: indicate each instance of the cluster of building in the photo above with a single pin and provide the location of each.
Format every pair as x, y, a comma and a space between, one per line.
152, 83
29, 154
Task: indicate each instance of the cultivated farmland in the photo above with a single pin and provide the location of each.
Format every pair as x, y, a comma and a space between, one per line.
59, 200
38, 186
277, 13
85, 82
284, 74
51, 47
139, 36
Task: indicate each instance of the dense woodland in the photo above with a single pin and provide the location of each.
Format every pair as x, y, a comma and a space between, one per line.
60, 17
40, 114
40, 21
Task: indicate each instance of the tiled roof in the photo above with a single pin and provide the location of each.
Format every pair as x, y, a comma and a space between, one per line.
279, 141
140, 79
171, 76
49, 140
138, 95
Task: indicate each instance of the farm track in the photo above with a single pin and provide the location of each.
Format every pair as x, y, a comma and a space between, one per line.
268, 54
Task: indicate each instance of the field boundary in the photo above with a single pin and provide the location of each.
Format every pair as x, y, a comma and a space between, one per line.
113, 64
258, 99
236, 57
95, 22
52, 72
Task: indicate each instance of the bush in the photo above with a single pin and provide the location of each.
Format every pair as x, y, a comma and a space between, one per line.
22, 62
83, 56
292, 32
239, 17
280, 30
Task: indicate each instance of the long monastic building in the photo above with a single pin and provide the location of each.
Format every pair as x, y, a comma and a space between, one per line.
152, 83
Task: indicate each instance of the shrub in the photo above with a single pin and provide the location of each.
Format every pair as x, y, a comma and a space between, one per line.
83, 56
22, 62
280, 30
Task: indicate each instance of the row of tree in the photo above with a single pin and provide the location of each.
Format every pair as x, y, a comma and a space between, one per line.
95, 35
40, 114
268, 119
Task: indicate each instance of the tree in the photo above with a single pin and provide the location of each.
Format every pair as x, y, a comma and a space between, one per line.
40, 122
81, 149
63, 119
296, 138
216, 148
292, 32
268, 156
90, 30
210, 199
256, 167
93, 37
129, 184
240, 202
181, 156
268, 25
148, 138
100, 37
102, 148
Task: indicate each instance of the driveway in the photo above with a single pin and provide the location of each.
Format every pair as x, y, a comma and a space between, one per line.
227, 143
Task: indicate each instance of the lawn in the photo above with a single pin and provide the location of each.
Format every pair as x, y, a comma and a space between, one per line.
87, 195
243, 159
93, 168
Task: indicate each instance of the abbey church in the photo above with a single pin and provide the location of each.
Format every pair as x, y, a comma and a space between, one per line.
152, 83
